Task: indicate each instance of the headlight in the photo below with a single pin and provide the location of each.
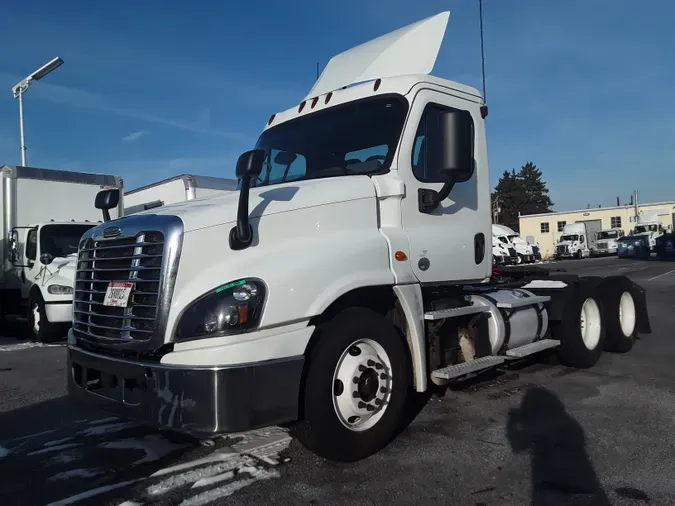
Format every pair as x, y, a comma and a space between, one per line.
229, 309
60, 289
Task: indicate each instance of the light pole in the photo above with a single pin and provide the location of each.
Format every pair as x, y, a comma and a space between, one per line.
21, 87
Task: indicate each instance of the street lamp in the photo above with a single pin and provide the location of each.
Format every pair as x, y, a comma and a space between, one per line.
20, 88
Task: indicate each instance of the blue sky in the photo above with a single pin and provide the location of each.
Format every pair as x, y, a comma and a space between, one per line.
583, 88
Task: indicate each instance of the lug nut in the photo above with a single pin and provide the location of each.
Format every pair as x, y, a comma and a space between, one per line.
355, 395
362, 368
383, 390
355, 380
362, 405
379, 366
370, 408
378, 402
383, 376
371, 363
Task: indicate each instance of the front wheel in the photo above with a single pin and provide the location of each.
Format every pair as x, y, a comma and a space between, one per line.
41, 329
355, 387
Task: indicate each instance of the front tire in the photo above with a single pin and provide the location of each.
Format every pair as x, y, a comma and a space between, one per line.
581, 331
41, 329
355, 387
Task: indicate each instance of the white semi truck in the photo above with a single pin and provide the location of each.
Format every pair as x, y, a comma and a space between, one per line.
650, 227
578, 240
333, 292
180, 188
44, 213
507, 236
607, 242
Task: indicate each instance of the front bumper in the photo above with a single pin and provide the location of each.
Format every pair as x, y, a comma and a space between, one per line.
201, 401
59, 312
606, 251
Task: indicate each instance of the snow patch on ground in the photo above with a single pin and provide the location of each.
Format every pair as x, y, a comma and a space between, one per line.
105, 429
77, 473
10, 344
154, 446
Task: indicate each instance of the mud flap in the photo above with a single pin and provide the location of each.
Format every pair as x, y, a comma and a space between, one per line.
639, 295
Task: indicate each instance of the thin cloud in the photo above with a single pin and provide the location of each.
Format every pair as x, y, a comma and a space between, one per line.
79, 98
135, 136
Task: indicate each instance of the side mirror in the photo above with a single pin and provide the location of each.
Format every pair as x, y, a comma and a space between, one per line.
106, 200
457, 134
46, 259
450, 147
249, 165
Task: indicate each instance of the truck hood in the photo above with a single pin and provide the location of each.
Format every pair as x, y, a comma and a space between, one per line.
567, 243
267, 200
61, 271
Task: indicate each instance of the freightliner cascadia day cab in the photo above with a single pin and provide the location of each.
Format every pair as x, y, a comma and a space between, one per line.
44, 213
350, 274
176, 189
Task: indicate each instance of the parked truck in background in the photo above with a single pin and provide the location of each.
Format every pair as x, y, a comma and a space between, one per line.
334, 292
606, 243
507, 236
649, 228
180, 188
44, 213
578, 240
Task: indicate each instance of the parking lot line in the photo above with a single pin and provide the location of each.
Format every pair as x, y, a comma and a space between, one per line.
661, 275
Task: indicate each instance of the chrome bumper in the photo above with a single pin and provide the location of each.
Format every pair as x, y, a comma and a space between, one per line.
197, 400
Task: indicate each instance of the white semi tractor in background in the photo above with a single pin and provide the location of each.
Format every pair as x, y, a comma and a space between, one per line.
524, 252
606, 243
650, 227
578, 240
334, 292
180, 188
44, 213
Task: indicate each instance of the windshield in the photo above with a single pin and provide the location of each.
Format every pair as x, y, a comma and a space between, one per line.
515, 238
641, 229
61, 240
356, 138
503, 239
572, 237
609, 234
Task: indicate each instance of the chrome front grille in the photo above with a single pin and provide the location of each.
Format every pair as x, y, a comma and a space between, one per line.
602, 245
143, 251
562, 249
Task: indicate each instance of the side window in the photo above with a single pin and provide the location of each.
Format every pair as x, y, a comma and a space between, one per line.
582, 239
284, 166
427, 152
31, 245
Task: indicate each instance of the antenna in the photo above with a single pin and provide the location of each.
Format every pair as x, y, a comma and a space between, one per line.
482, 51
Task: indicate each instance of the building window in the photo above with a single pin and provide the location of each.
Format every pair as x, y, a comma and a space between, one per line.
616, 221
561, 225
544, 227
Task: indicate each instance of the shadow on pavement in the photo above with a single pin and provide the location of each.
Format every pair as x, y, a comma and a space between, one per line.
562, 472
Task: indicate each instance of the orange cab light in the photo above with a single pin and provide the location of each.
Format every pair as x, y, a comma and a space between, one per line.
400, 256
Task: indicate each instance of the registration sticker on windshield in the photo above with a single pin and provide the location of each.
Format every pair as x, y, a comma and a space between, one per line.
117, 294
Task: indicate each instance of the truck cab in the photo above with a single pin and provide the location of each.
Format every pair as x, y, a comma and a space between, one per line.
573, 242
607, 241
649, 231
524, 252
44, 258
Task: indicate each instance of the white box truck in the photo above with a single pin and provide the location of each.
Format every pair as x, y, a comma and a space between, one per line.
176, 189
338, 284
578, 240
44, 213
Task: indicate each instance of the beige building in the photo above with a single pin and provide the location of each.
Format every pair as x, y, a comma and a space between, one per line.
546, 228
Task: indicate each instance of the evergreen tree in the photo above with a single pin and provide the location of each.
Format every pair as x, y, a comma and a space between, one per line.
523, 192
535, 197
508, 196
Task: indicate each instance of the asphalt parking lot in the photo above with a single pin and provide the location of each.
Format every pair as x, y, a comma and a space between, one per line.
540, 435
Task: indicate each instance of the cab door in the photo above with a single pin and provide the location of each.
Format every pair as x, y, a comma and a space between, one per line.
453, 242
29, 266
